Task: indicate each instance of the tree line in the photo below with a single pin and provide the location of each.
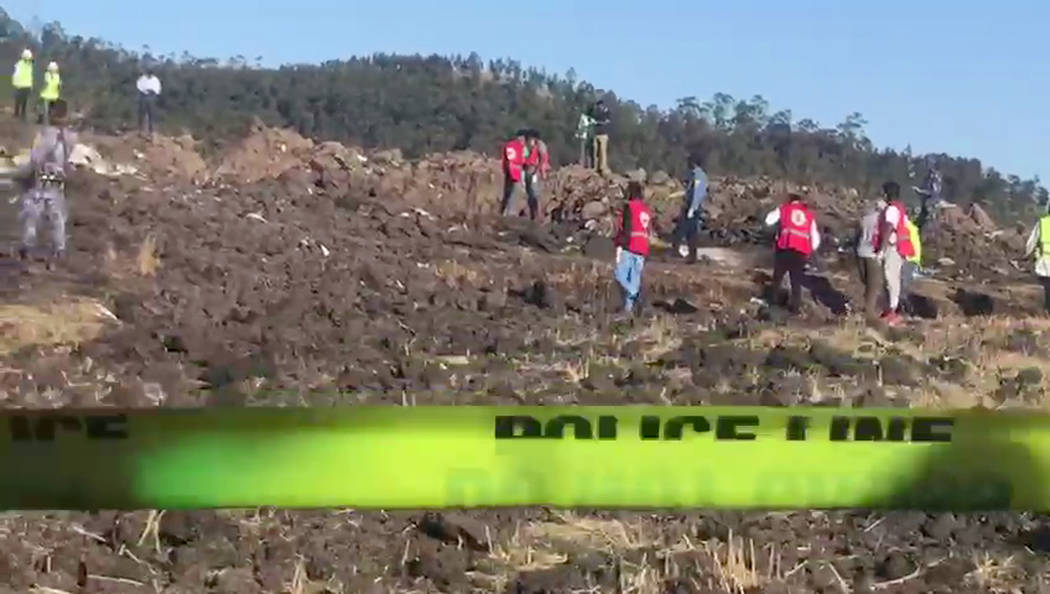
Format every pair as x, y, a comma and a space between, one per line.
424, 104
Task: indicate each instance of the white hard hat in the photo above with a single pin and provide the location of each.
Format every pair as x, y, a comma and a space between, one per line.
53, 67
27, 55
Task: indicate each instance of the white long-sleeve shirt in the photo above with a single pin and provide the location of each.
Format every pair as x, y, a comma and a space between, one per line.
1042, 264
814, 236
148, 84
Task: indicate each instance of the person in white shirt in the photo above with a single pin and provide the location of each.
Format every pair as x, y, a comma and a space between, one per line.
889, 248
149, 89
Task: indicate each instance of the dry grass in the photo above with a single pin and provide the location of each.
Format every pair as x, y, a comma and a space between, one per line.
995, 574
146, 260
455, 274
660, 336
645, 564
66, 323
591, 533
737, 565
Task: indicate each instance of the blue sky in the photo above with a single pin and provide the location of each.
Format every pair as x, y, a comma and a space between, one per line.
967, 78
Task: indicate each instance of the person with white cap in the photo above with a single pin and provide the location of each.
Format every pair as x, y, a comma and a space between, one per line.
52, 89
22, 81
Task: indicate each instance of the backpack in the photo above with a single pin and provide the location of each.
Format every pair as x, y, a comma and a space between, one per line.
52, 172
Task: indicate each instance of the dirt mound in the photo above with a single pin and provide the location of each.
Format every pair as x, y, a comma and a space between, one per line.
265, 153
983, 220
159, 156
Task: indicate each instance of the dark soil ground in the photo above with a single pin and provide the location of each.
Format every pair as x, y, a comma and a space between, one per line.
251, 294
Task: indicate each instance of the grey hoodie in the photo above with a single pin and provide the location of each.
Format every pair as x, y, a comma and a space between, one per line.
866, 235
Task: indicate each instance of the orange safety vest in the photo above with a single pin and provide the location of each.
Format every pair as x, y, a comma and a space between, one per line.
796, 222
904, 245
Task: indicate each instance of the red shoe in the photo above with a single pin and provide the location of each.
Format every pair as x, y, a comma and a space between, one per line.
891, 318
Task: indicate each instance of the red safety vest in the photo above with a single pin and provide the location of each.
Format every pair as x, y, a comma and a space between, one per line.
904, 245
796, 222
514, 158
641, 221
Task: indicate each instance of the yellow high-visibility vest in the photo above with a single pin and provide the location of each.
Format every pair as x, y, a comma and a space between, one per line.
916, 241
52, 83
1044, 235
23, 76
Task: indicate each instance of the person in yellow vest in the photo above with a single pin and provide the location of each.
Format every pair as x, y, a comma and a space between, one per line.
1039, 245
911, 264
22, 81
52, 89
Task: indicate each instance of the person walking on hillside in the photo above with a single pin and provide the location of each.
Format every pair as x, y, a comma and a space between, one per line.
867, 261
537, 166
692, 209
893, 244
22, 82
602, 122
45, 179
797, 239
1039, 246
513, 171
149, 90
632, 244
52, 90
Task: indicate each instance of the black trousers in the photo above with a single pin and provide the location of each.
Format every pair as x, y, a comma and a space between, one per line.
1045, 281
147, 103
688, 229
21, 102
793, 264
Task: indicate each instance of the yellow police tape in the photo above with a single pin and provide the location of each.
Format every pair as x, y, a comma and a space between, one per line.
464, 456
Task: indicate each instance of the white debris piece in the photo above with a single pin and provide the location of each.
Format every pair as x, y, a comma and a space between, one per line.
256, 216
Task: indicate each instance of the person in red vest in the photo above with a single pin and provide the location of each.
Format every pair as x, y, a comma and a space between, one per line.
537, 165
632, 244
892, 242
513, 171
797, 238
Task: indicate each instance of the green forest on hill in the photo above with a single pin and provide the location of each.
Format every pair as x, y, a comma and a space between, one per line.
424, 104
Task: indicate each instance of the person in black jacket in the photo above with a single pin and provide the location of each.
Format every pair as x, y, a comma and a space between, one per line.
601, 116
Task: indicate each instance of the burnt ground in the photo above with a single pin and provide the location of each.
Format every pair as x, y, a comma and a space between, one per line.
238, 295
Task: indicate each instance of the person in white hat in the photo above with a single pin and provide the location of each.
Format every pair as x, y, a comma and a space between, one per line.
52, 89
22, 81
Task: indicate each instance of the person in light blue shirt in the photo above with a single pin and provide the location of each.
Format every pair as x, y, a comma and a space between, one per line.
692, 210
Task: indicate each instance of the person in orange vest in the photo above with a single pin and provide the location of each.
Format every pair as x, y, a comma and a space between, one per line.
893, 246
513, 171
797, 239
537, 165
632, 244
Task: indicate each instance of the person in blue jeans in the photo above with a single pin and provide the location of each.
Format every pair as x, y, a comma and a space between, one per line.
632, 244
692, 215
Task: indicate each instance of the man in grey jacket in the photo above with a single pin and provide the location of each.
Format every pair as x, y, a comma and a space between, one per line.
867, 261
44, 179
692, 210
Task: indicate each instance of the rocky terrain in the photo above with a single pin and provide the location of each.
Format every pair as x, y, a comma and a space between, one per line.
293, 272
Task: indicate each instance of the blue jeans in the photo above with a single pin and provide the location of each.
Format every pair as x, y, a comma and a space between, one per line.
629, 275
